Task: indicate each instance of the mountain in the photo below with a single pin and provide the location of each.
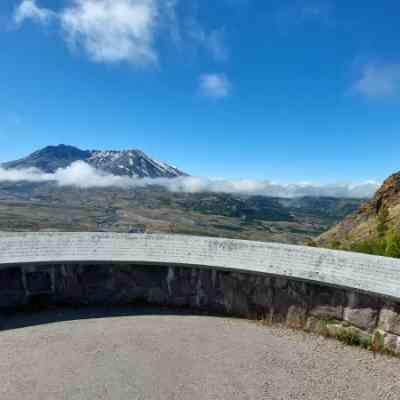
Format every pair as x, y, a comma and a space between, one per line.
132, 163
379, 215
50, 158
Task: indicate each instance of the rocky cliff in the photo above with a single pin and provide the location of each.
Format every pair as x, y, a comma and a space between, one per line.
364, 223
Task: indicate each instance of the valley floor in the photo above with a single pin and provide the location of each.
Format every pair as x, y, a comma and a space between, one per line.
47, 207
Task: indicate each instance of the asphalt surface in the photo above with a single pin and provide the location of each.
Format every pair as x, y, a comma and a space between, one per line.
120, 354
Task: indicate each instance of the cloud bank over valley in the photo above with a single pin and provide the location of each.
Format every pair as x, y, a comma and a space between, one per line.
82, 175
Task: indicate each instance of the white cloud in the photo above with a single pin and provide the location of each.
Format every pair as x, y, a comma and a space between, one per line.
28, 9
109, 30
29, 175
378, 80
78, 174
113, 30
82, 175
266, 188
215, 85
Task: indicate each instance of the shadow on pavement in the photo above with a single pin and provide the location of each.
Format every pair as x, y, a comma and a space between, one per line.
23, 319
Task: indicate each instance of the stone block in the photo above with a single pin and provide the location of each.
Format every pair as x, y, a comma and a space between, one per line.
320, 326
295, 294
96, 275
12, 300
227, 286
241, 305
181, 282
280, 283
262, 297
68, 285
239, 276
391, 343
233, 295
300, 290
100, 295
12, 292
389, 319
179, 301
11, 280
144, 276
157, 296
205, 281
362, 310
3, 320
38, 282
133, 295
386, 342
296, 317
327, 303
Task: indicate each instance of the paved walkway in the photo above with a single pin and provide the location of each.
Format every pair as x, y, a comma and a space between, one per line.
100, 354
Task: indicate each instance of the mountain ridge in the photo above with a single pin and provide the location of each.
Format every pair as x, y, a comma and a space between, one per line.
132, 162
382, 211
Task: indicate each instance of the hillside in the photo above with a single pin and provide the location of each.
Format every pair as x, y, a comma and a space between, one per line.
374, 219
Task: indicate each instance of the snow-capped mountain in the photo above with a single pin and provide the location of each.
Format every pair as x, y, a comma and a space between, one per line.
132, 163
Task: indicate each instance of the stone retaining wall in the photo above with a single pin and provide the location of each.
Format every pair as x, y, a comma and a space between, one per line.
355, 317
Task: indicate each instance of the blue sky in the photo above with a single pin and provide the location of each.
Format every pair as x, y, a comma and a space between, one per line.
287, 91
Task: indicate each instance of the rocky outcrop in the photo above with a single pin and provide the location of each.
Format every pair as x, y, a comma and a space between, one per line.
362, 225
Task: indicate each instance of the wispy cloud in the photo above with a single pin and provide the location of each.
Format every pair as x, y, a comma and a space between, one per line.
213, 41
215, 85
28, 9
300, 12
378, 80
80, 174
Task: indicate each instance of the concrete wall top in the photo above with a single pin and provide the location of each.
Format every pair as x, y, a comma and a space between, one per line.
372, 274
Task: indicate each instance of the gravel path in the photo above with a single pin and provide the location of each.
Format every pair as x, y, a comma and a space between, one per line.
99, 354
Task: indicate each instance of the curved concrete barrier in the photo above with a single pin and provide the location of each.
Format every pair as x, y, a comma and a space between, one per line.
352, 296
377, 275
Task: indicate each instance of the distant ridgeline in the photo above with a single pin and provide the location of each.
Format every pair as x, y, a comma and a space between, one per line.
374, 228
